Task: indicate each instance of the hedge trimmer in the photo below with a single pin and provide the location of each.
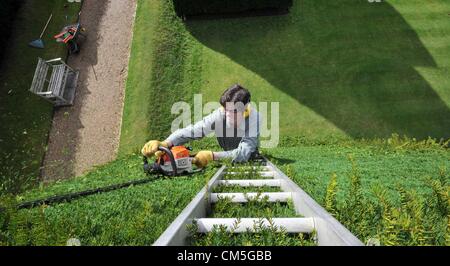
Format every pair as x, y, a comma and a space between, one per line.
172, 162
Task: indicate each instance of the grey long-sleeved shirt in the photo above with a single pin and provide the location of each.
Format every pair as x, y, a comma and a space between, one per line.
245, 136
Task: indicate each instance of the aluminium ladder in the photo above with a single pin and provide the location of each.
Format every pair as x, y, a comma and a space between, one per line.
328, 231
55, 81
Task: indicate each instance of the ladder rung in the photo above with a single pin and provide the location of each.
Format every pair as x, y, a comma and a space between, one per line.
251, 182
261, 168
265, 174
242, 225
243, 197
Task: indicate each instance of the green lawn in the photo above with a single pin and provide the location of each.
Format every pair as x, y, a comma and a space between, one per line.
135, 122
25, 119
338, 68
162, 71
341, 70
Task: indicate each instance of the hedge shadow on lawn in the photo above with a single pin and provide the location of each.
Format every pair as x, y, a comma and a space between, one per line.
350, 61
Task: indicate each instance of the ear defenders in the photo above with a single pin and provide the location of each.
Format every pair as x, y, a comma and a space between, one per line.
246, 111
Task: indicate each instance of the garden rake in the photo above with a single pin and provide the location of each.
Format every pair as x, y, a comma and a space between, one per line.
39, 43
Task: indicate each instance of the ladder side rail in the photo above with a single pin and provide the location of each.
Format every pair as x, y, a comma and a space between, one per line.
329, 230
177, 233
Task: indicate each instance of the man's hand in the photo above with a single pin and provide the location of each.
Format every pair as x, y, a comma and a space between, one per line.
202, 158
151, 147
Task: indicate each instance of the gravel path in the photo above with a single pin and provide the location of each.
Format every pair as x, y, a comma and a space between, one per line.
87, 133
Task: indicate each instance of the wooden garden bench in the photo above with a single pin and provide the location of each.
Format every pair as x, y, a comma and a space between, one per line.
55, 81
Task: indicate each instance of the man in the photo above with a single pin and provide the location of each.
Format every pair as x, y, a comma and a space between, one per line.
235, 124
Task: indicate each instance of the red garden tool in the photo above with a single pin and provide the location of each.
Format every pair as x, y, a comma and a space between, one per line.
69, 35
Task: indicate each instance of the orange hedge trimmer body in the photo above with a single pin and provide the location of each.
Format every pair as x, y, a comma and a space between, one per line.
175, 161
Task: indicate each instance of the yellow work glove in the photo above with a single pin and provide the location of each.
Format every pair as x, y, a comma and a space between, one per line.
151, 147
202, 158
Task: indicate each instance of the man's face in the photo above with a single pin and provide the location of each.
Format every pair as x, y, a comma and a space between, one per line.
234, 114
